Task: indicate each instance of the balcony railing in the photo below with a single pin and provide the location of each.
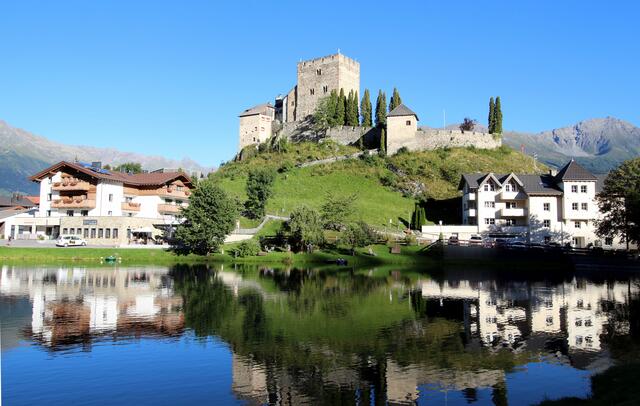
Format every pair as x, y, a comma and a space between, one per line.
71, 184
471, 212
130, 206
73, 203
175, 193
513, 212
504, 195
169, 208
471, 196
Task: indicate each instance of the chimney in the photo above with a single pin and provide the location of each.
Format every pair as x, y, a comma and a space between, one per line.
96, 165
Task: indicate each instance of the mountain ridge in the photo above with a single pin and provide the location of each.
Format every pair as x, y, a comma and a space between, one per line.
23, 153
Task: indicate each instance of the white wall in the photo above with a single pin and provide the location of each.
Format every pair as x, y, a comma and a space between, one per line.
103, 205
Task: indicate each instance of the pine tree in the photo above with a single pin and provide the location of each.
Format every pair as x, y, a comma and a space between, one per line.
395, 100
332, 105
340, 113
381, 109
356, 111
352, 110
383, 143
365, 109
492, 116
498, 117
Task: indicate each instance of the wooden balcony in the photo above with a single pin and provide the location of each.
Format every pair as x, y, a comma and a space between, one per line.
175, 193
169, 209
73, 203
70, 184
130, 206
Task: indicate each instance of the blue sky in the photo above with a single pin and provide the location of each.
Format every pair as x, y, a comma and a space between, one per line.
170, 78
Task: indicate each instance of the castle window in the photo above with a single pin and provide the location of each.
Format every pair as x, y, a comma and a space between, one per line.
318, 72
325, 88
312, 91
408, 122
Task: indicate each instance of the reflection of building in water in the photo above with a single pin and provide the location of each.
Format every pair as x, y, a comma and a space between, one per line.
74, 305
501, 316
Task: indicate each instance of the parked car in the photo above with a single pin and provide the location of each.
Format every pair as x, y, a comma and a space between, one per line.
475, 240
517, 245
71, 241
453, 240
500, 242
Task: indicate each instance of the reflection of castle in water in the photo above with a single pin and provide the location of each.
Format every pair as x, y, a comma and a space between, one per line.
515, 315
76, 305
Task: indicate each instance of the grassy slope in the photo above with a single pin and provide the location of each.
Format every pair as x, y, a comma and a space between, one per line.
375, 203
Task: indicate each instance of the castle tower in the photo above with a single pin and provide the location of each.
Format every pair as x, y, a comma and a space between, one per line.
402, 124
317, 78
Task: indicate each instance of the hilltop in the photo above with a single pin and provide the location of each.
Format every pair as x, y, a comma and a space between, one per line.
22, 154
384, 188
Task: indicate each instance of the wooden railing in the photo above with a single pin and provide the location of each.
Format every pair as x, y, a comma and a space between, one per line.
169, 208
73, 203
71, 184
130, 206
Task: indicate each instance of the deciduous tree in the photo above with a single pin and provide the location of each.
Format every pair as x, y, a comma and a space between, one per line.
304, 228
619, 203
468, 124
128, 167
207, 220
336, 210
259, 190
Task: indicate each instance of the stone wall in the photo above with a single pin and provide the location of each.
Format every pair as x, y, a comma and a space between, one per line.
345, 135
425, 140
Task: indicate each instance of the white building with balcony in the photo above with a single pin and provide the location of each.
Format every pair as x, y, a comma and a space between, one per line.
102, 206
556, 207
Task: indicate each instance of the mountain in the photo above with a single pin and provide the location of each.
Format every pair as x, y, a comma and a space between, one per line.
22, 154
599, 144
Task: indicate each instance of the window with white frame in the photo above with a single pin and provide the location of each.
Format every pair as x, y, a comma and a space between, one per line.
576, 224
546, 206
574, 188
510, 222
583, 189
490, 205
489, 221
574, 206
585, 206
110, 197
511, 205
546, 223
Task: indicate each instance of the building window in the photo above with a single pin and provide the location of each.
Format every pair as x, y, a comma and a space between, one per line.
546, 223
574, 188
511, 205
576, 224
546, 206
100, 233
583, 189
79, 231
107, 233
85, 234
510, 222
318, 71
109, 213
70, 213
490, 221
128, 199
93, 233
110, 197
48, 213
608, 241
585, 206
49, 197
115, 233
408, 122
574, 206
84, 213
64, 231
128, 233
312, 92
490, 204
325, 88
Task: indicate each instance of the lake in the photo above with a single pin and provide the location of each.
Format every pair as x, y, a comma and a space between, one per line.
157, 335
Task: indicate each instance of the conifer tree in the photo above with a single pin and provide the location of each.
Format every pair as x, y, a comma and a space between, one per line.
356, 110
383, 143
332, 105
365, 109
492, 116
498, 117
340, 113
352, 110
381, 109
395, 99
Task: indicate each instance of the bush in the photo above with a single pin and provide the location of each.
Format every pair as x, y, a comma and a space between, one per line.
389, 179
410, 239
247, 248
402, 150
286, 166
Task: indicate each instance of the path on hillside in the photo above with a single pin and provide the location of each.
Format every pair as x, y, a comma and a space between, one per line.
337, 158
241, 234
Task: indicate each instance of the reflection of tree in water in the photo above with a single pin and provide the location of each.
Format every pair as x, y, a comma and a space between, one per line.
622, 332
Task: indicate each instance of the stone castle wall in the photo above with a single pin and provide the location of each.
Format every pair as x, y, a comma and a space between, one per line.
425, 140
318, 77
345, 135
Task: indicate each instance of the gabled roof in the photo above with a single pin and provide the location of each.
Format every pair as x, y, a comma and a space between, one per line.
259, 109
15, 201
137, 179
573, 171
401, 111
531, 184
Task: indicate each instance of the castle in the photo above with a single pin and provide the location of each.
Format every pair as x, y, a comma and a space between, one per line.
290, 115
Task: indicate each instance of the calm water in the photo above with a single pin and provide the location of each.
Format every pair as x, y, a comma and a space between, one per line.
192, 335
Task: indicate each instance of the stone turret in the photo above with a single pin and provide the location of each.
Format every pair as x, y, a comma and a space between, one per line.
402, 125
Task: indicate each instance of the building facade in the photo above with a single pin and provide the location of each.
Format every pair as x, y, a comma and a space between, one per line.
103, 207
256, 124
550, 208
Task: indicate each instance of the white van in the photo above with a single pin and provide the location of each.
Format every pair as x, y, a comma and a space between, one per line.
70, 241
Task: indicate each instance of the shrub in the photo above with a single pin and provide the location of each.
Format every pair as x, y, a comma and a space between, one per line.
410, 239
389, 179
247, 248
402, 150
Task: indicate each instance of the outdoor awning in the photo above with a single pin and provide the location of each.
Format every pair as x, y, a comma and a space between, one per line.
142, 230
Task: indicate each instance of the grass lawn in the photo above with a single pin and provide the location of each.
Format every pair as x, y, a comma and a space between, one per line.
129, 256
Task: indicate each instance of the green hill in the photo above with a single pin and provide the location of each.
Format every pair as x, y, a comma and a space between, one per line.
384, 188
